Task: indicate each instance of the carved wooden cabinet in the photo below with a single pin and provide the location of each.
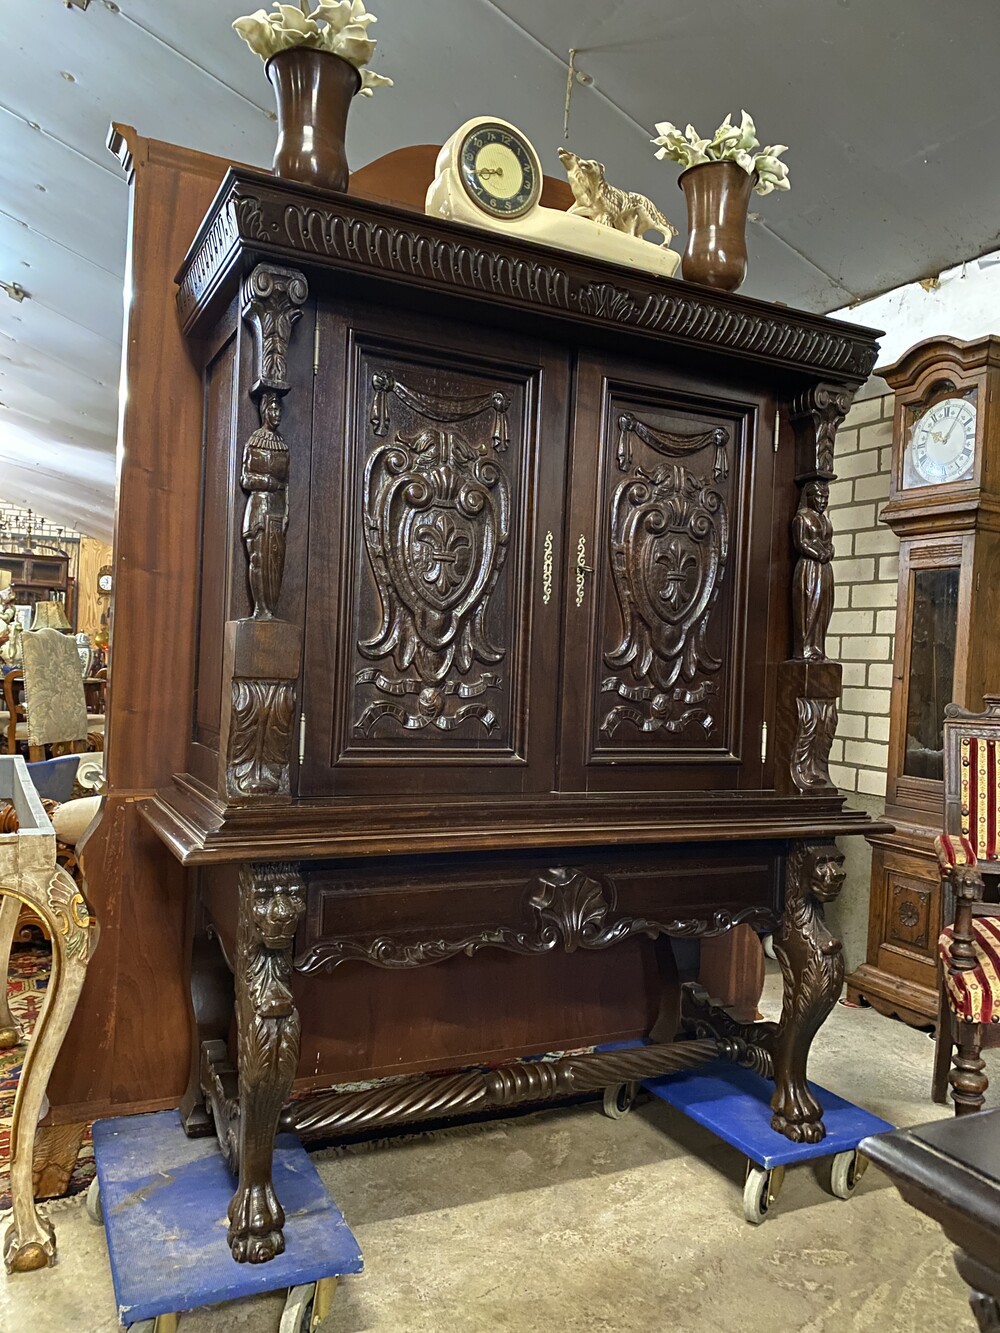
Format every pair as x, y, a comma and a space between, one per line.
514, 586
944, 503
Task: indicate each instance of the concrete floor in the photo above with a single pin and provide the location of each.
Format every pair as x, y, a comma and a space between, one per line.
565, 1221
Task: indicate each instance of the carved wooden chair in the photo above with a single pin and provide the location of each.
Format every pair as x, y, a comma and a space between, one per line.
969, 946
29, 874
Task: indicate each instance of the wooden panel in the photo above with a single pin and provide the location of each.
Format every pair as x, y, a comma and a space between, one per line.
432, 617
671, 518
128, 1045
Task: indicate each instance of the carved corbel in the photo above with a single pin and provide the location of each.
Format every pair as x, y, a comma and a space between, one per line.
816, 415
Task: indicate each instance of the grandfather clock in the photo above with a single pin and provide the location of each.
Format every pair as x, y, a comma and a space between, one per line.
944, 503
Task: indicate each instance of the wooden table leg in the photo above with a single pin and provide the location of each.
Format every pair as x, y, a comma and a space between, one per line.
812, 963
10, 1033
271, 901
52, 893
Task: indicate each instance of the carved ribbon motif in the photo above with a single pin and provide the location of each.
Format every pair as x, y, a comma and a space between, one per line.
437, 525
437, 408
669, 546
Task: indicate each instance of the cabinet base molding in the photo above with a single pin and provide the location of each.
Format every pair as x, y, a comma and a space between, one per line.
892, 996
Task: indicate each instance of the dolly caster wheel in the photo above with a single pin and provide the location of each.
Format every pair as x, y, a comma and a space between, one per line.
94, 1209
619, 1099
307, 1306
846, 1169
760, 1191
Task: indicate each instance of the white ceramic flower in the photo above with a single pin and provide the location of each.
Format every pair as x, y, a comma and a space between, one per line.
337, 26
730, 143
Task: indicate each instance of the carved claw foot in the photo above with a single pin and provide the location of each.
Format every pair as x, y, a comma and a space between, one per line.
9, 1037
799, 1117
25, 1255
256, 1219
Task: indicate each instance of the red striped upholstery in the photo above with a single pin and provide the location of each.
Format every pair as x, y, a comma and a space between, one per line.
980, 793
954, 851
974, 996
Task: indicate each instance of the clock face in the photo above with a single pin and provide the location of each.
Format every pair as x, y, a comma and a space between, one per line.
942, 444
500, 171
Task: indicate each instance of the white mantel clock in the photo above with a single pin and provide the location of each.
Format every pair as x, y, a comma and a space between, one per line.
489, 175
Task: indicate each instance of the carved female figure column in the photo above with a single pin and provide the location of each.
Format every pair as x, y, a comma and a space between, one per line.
812, 584
264, 476
809, 683
262, 653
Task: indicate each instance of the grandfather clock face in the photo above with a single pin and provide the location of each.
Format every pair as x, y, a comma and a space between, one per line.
940, 441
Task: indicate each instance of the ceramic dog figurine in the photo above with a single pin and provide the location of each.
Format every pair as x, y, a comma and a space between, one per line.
623, 210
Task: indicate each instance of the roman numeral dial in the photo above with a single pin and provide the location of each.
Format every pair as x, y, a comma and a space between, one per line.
942, 444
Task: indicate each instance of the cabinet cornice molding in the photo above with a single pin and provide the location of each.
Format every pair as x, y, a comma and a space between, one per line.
254, 217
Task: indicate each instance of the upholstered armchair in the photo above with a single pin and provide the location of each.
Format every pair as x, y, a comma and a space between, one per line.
969, 947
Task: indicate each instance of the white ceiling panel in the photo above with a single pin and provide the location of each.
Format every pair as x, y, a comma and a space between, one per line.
82, 205
92, 298
888, 110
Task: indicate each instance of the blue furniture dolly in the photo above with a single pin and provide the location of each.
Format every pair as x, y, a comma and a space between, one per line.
163, 1200
735, 1104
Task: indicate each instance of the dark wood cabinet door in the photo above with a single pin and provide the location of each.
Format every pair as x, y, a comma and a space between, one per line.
668, 554
432, 628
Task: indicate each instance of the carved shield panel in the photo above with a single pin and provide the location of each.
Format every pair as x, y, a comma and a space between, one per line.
437, 525
668, 550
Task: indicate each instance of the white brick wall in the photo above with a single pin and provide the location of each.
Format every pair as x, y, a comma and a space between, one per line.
865, 567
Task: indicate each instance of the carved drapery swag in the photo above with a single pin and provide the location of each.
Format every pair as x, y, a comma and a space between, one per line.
670, 444
435, 407
272, 301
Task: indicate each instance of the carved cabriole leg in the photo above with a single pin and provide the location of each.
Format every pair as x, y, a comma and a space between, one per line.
30, 1240
10, 1033
812, 963
271, 902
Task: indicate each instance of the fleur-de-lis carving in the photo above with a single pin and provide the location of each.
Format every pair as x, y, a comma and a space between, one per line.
679, 564
444, 553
